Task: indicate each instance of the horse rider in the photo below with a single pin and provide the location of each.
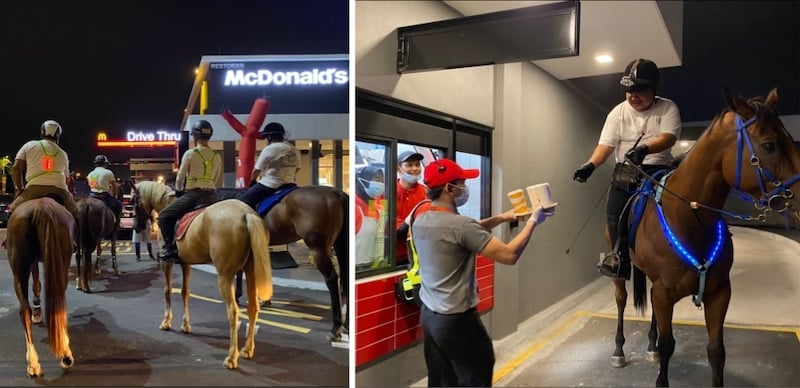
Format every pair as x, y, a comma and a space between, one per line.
45, 168
276, 167
195, 186
104, 187
643, 129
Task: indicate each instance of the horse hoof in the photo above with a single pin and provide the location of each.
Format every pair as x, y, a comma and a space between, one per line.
97, 272
34, 370
334, 337
230, 363
652, 357
67, 362
618, 361
164, 327
117, 272
36, 318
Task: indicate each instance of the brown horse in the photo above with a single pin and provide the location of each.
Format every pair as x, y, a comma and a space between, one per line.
682, 243
228, 234
319, 216
95, 222
41, 230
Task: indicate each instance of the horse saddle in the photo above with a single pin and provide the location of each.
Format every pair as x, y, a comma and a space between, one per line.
637, 206
184, 222
268, 203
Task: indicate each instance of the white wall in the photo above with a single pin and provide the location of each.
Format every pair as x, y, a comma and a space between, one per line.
466, 93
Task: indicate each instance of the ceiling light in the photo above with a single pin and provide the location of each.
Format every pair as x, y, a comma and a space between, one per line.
603, 58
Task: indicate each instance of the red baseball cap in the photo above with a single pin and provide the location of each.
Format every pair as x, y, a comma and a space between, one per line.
443, 171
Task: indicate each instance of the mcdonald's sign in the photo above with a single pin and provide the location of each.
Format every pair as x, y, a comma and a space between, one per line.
101, 136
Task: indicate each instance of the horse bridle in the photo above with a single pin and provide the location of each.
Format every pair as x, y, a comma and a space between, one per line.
777, 198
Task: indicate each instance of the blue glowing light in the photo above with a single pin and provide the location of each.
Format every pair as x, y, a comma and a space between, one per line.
685, 255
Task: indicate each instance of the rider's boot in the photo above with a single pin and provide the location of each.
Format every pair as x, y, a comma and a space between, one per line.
615, 265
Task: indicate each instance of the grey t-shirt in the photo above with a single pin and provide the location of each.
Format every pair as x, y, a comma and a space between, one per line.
446, 243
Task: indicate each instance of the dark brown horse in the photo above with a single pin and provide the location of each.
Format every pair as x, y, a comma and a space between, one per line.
319, 216
41, 230
682, 243
95, 222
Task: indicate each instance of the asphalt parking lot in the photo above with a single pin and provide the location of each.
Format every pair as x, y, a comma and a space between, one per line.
116, 341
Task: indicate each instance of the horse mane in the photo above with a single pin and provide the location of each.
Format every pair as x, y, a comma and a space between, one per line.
153, 193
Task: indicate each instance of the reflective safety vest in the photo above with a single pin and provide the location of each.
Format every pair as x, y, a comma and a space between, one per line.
407, 286
48, 164
206, 169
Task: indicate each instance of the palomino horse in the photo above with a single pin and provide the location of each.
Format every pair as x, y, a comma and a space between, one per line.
682, 243
95, 221
319, 216
41, 230
233, 237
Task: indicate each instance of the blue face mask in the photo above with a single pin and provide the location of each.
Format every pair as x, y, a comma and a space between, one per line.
462, 199
409, 178
373, 188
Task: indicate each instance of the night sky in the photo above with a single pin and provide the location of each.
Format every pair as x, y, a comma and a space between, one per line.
122, 65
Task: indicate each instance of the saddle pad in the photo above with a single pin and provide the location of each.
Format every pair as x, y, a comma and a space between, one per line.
268, 203
184, 222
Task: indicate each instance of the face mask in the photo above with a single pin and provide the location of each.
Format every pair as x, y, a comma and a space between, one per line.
373, 188
463, 198
409, 178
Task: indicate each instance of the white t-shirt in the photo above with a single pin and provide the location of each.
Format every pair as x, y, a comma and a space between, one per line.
624, 125
46, 163
100, 180
278, 164
365, 239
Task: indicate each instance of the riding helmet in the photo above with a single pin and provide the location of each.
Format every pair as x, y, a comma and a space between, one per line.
100, 160
640, 74
273, 130
51, 128
202, 129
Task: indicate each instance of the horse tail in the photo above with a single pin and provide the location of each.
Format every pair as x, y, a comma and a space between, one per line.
259, 246
639, 291
55, 252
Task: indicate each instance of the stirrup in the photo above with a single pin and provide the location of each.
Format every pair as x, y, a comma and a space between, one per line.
613, 266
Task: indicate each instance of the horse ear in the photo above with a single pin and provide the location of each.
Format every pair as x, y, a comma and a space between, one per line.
732, 101
772, 98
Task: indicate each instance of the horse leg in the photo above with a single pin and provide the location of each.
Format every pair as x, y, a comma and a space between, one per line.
186, 326
663, 309
324, 264
114, 254
166, 267
621, 297
652, 336
225, 286
21, 289
99, 252
36, 316
86, 271
715, 309
248, 350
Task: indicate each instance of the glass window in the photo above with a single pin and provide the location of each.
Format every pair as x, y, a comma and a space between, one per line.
472, 208
371, 216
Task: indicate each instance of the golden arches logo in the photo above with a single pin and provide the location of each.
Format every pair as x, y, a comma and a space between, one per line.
101, 136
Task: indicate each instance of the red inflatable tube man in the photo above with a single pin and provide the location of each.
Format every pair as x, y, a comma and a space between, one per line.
249, 133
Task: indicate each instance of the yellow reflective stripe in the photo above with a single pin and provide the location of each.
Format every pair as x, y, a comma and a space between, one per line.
206, 169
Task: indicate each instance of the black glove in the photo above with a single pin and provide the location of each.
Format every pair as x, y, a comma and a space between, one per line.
637, 154
583, 172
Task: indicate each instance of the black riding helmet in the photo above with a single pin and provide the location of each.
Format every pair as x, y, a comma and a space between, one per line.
272, 131
202, 130
100, 160
640, 74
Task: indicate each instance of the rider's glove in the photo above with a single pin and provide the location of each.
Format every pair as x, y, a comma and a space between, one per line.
636, 155
539, 214
583, 172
